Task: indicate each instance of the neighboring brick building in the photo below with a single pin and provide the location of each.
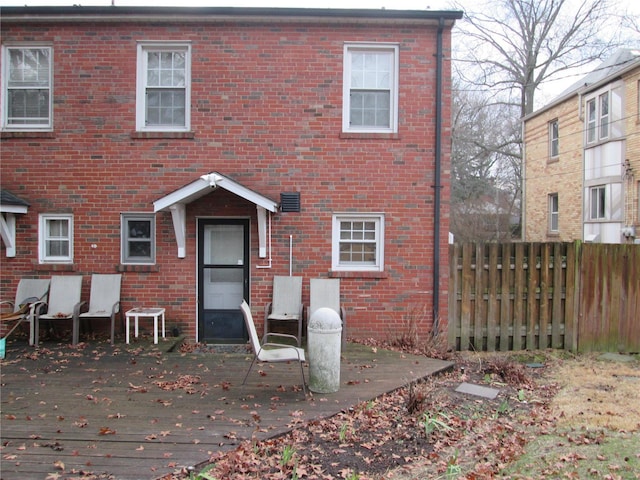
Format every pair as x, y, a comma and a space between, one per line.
582, 159
307, 141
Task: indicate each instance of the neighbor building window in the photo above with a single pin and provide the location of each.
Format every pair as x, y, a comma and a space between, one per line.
358, 242
164, 90
553, 213
554, 139
55, 240
591, 120
370, 102
604, 115
27, 79
138, 238
597, 198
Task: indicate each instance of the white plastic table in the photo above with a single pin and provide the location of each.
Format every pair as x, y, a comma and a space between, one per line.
136, 313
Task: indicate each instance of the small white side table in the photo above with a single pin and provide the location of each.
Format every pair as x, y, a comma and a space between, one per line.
136, 313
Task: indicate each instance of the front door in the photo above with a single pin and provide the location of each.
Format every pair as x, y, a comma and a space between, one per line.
223, 279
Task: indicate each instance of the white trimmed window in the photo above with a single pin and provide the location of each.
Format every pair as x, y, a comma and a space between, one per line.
55, 238
554, 139
358, 242
554, 213
604, 114
138, 238
370, 83
26, 87
164, 87
598, 202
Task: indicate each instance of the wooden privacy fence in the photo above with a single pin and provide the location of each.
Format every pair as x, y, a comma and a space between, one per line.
572, 296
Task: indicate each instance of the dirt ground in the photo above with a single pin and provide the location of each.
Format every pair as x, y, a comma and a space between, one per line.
431, 431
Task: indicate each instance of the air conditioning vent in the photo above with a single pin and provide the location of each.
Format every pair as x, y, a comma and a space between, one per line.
290, 202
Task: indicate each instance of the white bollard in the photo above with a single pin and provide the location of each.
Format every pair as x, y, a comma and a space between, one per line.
324, 337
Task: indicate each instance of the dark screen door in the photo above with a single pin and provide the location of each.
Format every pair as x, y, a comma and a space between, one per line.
223, 279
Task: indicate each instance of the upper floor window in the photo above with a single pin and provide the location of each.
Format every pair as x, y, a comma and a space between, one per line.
591, 120
55, 238
370, 102
554, 139
554, 214
164, 87
358, 242
598, 202
138, 238
604, 114
27, 80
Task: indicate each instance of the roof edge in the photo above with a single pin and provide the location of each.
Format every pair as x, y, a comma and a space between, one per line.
204, 14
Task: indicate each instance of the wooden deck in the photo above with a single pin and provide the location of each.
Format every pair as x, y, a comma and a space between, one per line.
139, 412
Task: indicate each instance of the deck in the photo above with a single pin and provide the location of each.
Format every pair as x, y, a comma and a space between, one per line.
139, 411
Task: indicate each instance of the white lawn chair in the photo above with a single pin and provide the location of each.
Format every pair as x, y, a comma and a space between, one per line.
29, 292
104, 301
286, 305
325, 292
63, 304
274, 352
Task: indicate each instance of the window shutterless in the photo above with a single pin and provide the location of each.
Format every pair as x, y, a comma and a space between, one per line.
370, 97
55, 238
27, 87
164, 87
138, 239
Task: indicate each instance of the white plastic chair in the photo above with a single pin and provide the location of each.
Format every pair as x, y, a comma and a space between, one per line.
104, 301
274, 352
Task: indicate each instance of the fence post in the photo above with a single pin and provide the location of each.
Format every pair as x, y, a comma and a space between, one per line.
572, 296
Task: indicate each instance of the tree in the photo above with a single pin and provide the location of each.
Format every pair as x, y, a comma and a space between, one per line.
485, 167
505, 51
513, 46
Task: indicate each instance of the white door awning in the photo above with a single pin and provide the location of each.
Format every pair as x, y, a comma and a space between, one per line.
10, 205
176, 202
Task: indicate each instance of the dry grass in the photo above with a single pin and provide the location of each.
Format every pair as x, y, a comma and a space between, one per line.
597, 393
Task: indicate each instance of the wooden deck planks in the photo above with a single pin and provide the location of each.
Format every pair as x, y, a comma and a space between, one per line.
101, 409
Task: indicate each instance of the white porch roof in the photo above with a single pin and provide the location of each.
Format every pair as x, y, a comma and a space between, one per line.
176, 201
10, 205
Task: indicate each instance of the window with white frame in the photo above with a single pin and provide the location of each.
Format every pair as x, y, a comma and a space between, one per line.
604, 114
138, 238
554, 215
370, 83
55, 238
27, 85
598, 202
554, 139
164, 87
591, 120
358, 242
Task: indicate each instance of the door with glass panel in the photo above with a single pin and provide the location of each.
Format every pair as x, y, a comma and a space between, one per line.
223, 279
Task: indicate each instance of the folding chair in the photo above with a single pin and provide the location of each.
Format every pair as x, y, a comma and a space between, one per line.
29, 292
325, 292
104, 301
271, 351
63, 304
286, 305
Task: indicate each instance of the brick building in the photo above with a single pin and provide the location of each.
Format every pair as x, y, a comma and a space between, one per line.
188, 147
582, 159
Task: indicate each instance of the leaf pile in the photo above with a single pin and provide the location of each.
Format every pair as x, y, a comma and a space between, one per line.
427, 427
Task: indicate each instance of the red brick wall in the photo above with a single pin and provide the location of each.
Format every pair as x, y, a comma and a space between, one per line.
266, 111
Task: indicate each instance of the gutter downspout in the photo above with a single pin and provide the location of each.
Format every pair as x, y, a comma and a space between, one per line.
437, 186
